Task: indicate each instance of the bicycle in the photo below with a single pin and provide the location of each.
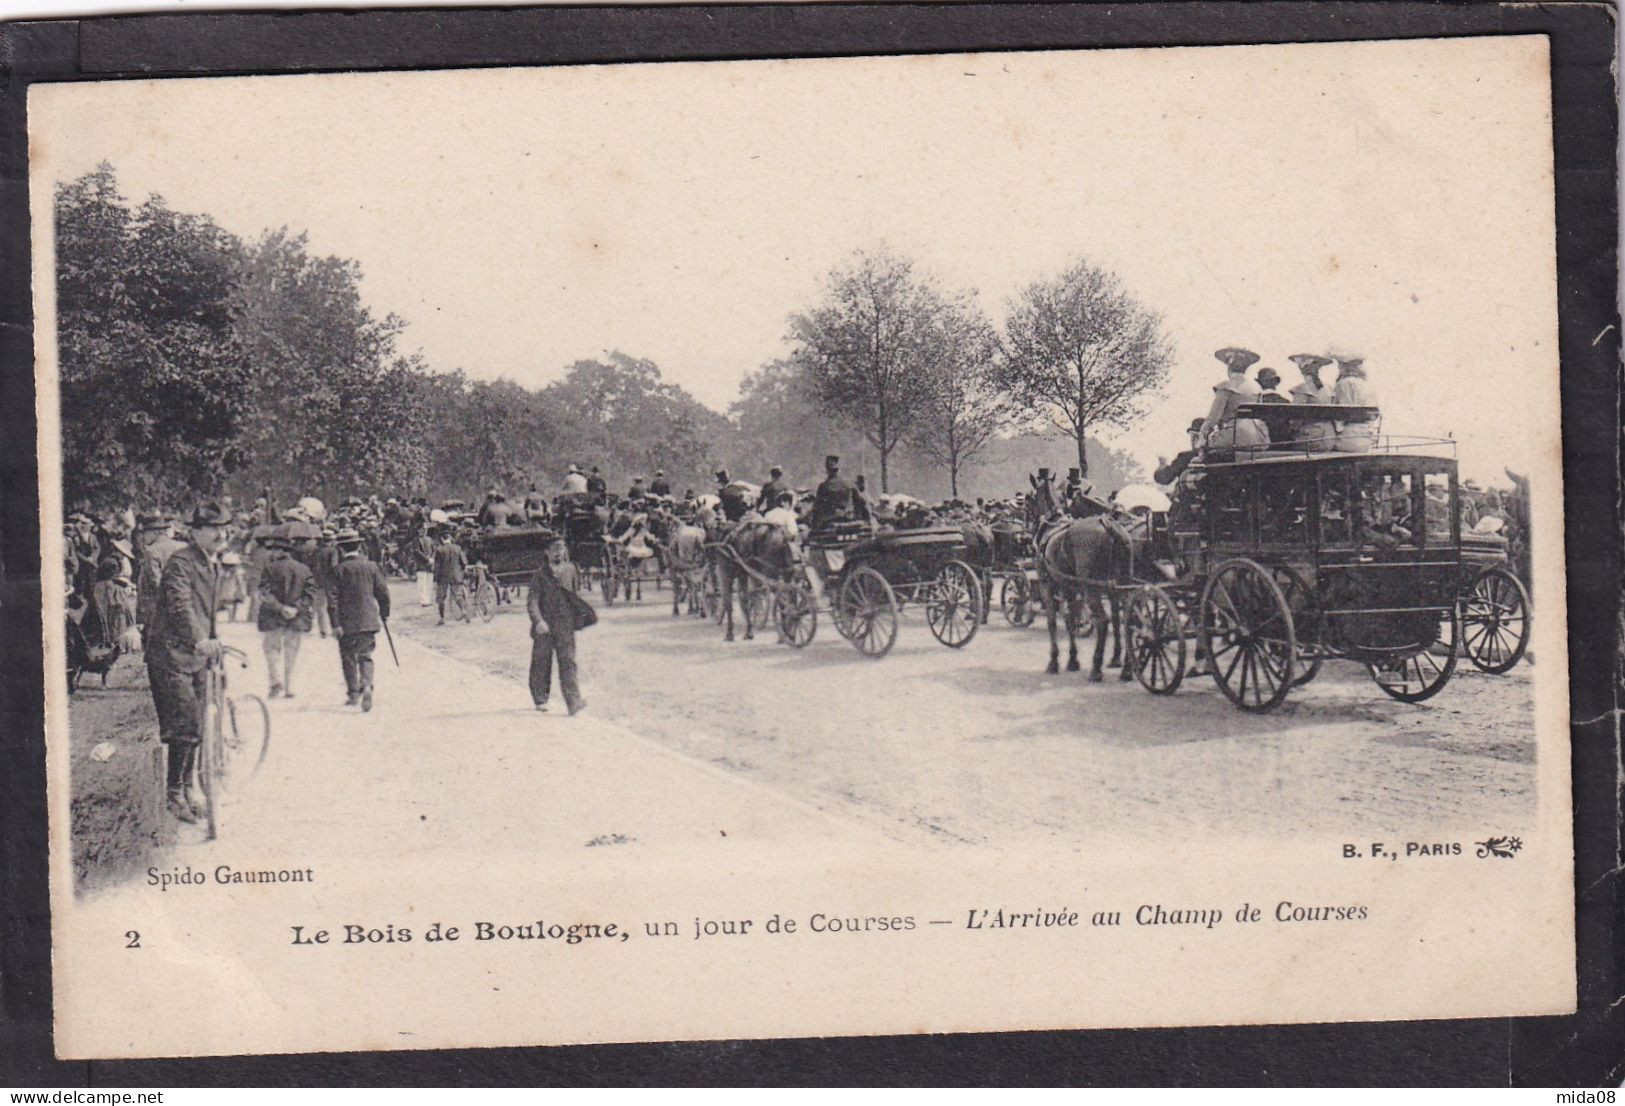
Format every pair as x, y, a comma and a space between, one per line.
483, 590
236, 736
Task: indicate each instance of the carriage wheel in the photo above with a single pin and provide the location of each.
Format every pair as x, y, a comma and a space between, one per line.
1307, 622
1016, 599
798, 615
757, 603
1420, 675
711, 595
953, 607
1156, 640
1495, 624
485, 601
1247, 631
868, 608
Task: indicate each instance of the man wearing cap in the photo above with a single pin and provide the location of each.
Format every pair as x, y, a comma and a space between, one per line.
1353, 391
450, 564
836, 500
771, 490
287, 598
1316, 437
1221, 429
359, 607
660, 485
597, 486
154, 545
180, 644
556, 613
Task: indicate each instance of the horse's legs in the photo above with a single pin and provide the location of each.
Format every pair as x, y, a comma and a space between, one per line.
1119, 660
1047, 591
1074, 605
1097, 611
727, 582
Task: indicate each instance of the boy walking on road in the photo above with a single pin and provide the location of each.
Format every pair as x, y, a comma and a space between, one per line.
556, 613
285, 604
360, 606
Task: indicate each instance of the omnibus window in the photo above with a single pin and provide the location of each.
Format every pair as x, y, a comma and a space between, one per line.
1227, 507
1283, 510
1335, 515
1386, 510
1436, 506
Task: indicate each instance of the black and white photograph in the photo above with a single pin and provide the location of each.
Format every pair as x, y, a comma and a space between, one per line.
720, 532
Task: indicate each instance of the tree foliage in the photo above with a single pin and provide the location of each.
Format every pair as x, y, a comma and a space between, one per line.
868, 349
963, 409
1083, 353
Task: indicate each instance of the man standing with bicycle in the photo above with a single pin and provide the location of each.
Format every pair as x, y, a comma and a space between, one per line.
360, 606
181, 644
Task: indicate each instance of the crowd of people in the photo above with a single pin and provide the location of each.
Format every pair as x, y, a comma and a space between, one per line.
159, 583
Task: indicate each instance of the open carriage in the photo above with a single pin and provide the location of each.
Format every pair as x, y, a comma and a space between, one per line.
869, 578
594, 555
1280, 560
1013, 574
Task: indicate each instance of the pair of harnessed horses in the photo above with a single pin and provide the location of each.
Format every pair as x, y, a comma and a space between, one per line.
1083, 554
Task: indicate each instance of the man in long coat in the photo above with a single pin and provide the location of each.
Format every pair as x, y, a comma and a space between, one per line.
556, 613
359, 603
181, 643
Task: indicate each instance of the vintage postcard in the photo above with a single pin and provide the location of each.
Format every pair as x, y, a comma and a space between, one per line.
799, 548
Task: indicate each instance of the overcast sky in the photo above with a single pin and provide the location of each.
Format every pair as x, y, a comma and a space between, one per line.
1386, 199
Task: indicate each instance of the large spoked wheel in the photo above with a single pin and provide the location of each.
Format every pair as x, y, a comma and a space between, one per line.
1016, 599
1308, 624
798, 616
1420, 675
953, 607
210, 758
485, 600
1248, 636
1156, 640
868, 612
1495, 621
247, 738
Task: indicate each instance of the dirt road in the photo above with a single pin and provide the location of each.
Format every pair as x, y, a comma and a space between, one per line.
978, 745
689, 739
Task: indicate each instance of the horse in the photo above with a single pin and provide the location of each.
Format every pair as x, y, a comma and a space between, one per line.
758, 546
683, 550
1082, 559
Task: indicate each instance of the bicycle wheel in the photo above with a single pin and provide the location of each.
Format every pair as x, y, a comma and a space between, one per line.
457, 601
485, 601
247, 739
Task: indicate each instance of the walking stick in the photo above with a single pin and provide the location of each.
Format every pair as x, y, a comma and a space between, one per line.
389, 637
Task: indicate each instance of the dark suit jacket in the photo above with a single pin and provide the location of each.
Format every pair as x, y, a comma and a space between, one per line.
188, 595
359, 600
286, 583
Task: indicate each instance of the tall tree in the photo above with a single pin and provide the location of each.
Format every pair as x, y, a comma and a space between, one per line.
151, 372
963, 408
867, 348
1083, 353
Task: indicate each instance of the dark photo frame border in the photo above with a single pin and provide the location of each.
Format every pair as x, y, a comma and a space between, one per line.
1584, 1049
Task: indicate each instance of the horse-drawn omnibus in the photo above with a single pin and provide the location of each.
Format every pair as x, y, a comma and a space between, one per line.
1275, 562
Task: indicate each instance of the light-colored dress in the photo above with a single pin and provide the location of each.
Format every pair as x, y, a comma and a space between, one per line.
1222, 430
1354, 437
1316, 437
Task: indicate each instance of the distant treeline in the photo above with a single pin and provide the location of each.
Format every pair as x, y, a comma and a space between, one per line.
195, 363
